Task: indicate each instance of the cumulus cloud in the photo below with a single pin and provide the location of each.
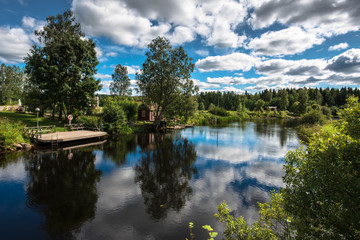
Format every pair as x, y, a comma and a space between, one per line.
327, 17
202, 52
204, 85
302, 67
15, 44
347, 62
137, 22
284, 42
102, 76
227, 80
231, 62
339, 46
133, 69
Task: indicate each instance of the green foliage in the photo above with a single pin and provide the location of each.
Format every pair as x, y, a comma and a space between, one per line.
322, 191
10, 133
208, 228
313, 117
219, 111
165, 76
259, 104
350, 118
121, 81
61, 68
11, 83
130, 108
114, 117
273, 223
242, 111
211, 232
89, 121
116, 112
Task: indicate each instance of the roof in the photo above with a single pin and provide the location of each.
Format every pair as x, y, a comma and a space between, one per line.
149, 107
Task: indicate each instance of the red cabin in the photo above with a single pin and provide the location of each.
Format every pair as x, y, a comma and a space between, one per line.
146, 113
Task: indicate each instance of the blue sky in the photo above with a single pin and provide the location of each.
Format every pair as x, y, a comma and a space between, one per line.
237, 45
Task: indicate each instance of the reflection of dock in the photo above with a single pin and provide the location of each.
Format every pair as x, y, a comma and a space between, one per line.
69, 136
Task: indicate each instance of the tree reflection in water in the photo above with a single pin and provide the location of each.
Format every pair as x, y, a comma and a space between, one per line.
63, 188
118, 148
164, 172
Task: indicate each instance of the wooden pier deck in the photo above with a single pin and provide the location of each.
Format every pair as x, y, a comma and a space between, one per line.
69, 136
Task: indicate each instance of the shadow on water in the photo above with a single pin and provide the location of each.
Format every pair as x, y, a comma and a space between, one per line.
164, 171
63, 190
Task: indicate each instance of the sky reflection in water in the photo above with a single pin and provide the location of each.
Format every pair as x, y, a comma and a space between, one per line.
143, 186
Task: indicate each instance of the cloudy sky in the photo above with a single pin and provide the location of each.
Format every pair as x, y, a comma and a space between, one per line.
236, 45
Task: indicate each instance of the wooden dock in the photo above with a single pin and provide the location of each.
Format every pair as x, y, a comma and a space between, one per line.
60, 137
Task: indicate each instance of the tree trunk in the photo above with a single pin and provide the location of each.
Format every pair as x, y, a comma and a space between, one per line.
53, 112
60, 112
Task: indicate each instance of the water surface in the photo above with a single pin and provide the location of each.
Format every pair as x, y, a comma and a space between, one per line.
143, 186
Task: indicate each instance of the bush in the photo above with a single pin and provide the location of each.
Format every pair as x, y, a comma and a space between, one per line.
89, 121
113, 117
313, 117
219, 111
10, 133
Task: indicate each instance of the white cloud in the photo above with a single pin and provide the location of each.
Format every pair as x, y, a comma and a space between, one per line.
227, 80
331, 17
339, 46
233, 89
231, 62
137, 22
133, 69
284, 42
99, 52
304, 67
111, 54
102, 76
202, 52
347, 62
204, 85
15, 44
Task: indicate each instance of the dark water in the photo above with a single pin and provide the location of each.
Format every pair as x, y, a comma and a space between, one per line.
143, 186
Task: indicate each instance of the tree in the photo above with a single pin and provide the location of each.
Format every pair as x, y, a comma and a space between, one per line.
11, 83
121, 81
322, 190
165, 75
63, 64
259, 104
284, 100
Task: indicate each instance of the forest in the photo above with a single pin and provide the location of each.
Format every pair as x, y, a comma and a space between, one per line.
297, 101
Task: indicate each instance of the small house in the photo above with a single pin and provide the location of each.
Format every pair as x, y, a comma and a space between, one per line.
146, 112
272, 108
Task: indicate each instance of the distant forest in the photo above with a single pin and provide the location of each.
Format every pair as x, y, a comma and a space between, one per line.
297, 101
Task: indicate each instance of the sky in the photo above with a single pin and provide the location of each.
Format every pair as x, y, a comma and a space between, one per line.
236, 45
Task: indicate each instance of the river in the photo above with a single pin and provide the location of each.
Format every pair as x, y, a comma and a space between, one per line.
143, 186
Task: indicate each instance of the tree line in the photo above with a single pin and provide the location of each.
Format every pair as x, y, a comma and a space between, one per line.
298, 101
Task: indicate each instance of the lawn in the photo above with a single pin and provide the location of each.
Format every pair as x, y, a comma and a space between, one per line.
29, 120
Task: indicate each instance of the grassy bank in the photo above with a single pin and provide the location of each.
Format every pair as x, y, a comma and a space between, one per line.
11, 133
29, 120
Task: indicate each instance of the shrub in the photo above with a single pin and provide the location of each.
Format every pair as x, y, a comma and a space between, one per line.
10, 133
113, 117
89, 121
313, 117
219, 111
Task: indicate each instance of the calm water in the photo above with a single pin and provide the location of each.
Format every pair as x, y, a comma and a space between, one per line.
143, 186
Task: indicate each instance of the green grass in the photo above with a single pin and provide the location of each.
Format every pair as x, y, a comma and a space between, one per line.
29, 120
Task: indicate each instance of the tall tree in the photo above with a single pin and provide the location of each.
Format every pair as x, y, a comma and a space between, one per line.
11, 83
121, 81
165, 75
63, 65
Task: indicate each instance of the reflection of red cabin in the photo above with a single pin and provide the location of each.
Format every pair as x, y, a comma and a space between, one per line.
146, 112
145, 140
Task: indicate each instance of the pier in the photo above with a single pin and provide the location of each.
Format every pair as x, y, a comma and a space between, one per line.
69, 136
